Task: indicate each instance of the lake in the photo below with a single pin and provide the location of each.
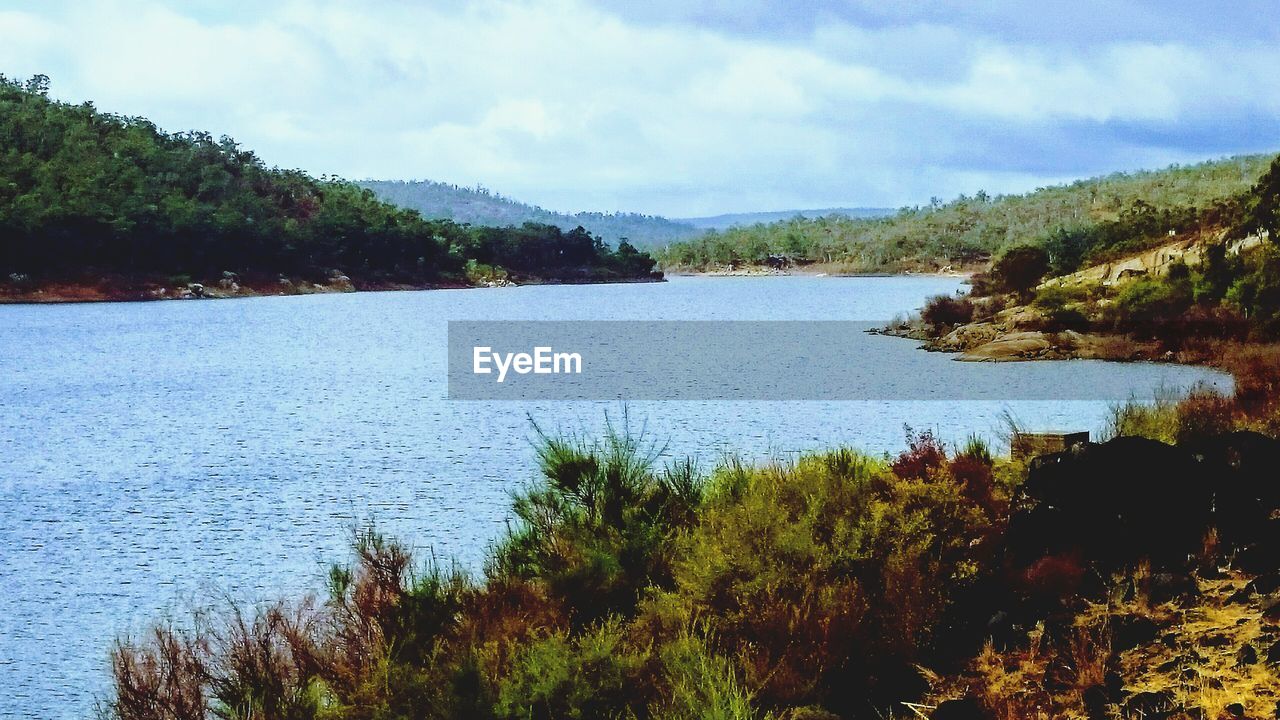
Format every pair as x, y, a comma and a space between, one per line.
155, 456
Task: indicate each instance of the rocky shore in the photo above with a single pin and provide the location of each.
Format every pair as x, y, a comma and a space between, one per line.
1012, 337
231, 285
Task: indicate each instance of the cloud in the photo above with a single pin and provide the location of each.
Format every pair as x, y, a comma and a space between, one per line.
679, 108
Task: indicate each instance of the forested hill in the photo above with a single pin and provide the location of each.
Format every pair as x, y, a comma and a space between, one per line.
728, 220
87, 196
971, 229
478, 206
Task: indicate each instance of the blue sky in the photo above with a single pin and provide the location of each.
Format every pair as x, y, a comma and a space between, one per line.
682, 107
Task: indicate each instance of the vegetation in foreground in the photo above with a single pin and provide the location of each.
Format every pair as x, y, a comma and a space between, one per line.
1115, 214
1130, 578
102, 205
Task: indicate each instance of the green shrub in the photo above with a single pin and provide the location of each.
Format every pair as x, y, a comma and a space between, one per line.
700, 685
1057, 297
593, 675
1150, 305
827, 577
597, 532
1019, 269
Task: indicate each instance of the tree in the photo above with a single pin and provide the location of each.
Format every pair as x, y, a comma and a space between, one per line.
1263, 205
1020, 268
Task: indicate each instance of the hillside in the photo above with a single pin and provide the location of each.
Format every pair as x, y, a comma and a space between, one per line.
1132, 288
102, 206
970, 230
728, 220
479, 206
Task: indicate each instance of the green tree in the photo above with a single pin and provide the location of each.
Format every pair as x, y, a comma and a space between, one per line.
1020, 268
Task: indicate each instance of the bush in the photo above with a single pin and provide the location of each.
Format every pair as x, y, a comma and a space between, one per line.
1203, 414
945, 311
1019, 269
599, 530
1057, 297
593, 675
924, 455
828, 578
1151, 307
1064, 319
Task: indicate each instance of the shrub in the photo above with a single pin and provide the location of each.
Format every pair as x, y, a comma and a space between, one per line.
924, 455
1018, 269
1203, 414
1151, 306
973, 469
593, 675
700, 685
945, 311
161, 677
1156, 420
598, 531
1057, 297
828, 577
982, 284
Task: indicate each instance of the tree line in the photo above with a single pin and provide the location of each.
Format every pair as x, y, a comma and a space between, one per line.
85, 193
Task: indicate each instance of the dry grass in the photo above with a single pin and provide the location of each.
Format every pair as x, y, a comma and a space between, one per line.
1195, 657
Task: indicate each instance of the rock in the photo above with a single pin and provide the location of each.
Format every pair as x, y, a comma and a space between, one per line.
1273, 653
1014, 346
196, 289
1246, 655
1215, 640
1148, 704
1130, 631
960, 709
1271, 609
1241, 596
1001, 630
967, 336
1241, 469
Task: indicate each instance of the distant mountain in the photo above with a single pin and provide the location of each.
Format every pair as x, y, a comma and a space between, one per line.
723, 222
479, 206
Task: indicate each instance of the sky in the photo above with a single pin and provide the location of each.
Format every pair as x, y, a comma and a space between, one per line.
681, 107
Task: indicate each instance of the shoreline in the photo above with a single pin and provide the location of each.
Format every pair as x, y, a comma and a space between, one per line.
71, 293
763, 272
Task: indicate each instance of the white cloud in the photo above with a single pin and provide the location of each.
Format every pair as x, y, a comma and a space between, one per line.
573, 107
